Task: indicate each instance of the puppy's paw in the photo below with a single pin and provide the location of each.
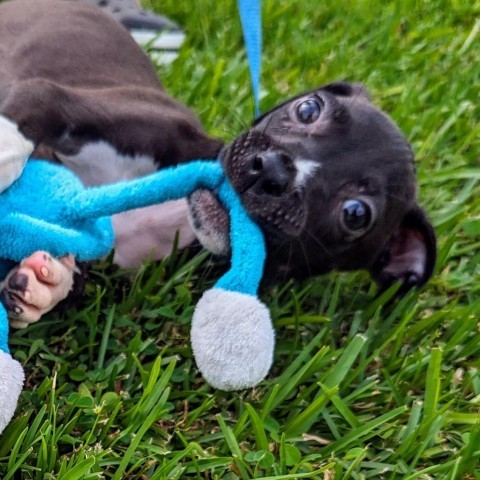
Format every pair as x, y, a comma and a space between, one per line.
36, 286
14, 152
210, 222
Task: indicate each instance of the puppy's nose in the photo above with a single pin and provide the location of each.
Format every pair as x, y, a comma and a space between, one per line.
270, 173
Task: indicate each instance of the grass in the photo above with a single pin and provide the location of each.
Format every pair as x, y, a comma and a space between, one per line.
361, 388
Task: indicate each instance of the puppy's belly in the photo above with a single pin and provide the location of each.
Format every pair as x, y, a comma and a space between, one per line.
149, 233
141, 234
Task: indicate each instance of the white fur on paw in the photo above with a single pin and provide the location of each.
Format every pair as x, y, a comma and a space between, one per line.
209, 221
14, 152
232, 339
213, 241
11, 384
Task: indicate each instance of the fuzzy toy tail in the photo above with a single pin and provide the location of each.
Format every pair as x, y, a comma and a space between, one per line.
11, 384
11, 375
232, 339
168, 184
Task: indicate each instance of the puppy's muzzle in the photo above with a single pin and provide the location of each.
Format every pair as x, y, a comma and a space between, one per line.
265, 176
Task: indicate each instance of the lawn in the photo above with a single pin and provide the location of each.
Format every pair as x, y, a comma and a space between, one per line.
362, 387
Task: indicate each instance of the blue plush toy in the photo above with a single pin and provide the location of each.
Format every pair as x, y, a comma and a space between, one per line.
48, 208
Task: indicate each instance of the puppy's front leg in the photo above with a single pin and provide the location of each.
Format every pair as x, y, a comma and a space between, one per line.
47, 117
36, 286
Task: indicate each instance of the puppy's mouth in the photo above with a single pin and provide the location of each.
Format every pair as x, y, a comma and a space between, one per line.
268, 181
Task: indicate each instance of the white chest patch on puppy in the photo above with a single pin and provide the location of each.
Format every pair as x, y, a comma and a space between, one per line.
305, 168
14, 152
99, 163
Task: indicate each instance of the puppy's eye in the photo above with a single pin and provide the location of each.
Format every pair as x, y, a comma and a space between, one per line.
357, 216
309, 110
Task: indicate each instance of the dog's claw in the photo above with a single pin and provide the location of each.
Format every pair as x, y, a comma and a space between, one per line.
412, 279
18, 281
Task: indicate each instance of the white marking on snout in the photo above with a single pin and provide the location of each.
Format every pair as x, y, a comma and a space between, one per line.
14, 152
305, 168
98, 163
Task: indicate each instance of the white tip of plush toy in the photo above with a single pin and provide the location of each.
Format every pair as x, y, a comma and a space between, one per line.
11, 384
232, 339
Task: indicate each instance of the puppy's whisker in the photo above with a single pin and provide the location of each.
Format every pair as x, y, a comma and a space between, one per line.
318, 242
266, 126
240, 123
307, 260
388, 185
289, 258
402, 200
278, 247
232, 133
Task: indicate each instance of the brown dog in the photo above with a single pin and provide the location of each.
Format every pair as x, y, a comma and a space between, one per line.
327, 175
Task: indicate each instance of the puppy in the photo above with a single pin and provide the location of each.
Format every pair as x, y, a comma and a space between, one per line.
328, 176
331, 180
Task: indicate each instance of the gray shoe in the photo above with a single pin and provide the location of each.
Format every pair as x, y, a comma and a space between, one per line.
161, 37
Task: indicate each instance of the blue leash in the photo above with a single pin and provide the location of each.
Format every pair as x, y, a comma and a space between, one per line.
250, 16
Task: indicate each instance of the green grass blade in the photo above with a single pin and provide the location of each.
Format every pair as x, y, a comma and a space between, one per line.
258, 429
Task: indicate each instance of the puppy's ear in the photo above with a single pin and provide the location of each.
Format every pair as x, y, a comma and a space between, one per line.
345, 89
409, 255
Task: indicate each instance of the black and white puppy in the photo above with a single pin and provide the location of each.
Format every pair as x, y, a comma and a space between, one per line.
331, 179
327, 175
